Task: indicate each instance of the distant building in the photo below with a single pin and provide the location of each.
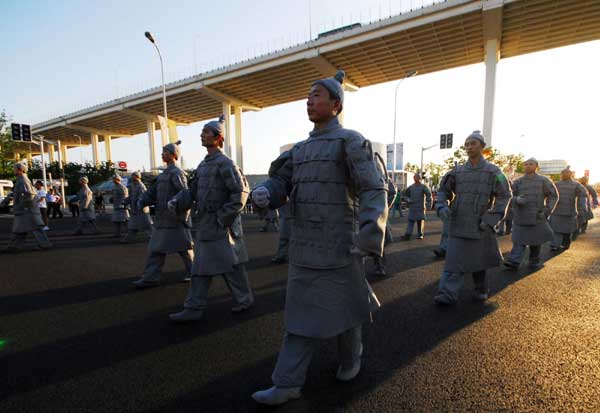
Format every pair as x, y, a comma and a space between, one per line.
399, 156
553, 166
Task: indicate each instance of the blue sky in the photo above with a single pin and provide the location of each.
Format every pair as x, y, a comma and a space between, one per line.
62, 56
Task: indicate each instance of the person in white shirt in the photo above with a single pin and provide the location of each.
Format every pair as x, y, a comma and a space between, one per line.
40, 200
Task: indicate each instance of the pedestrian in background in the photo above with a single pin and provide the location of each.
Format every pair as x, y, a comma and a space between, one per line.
40, 200
419, 200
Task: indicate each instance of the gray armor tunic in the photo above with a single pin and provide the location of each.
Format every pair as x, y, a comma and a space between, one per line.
530, 221
571, 202
324, 177
86, 204
119, 194
419, 196
140, 219
219, 192
27, 217
476, 194
171, 230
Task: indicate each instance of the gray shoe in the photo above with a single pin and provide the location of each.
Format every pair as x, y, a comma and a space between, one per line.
350, 373
443, 299
186, 315
141, 283
511, 265
240, 308
277, 395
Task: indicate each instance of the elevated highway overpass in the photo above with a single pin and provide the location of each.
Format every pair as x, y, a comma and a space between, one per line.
446, 35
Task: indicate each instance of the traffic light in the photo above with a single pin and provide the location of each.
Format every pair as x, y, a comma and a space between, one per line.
448, 141
442, 141
16, 131
26, 133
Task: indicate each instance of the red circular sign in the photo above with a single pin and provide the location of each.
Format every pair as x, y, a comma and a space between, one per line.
122, 165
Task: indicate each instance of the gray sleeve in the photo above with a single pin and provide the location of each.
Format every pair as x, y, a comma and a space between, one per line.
445, 193
369, 181
279, 183
551, 194
581, 199
427, 196
237, 185
502, 195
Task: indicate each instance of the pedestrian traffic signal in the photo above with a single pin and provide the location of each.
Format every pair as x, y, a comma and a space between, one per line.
26, 133
16, 131
448, 141
442, 141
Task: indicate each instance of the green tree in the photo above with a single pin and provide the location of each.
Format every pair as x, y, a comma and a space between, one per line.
6, 148
73, 171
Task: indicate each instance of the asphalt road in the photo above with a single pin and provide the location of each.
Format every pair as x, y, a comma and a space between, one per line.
76, 337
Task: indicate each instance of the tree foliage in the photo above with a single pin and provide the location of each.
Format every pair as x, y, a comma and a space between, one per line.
6, 147
73, 171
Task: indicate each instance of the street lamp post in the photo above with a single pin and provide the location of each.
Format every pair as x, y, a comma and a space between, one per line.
408, 74
162, 74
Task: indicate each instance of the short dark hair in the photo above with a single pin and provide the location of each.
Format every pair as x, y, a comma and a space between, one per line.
39, 183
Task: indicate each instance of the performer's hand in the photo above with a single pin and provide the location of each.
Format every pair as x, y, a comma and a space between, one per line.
261, 197
484, 227
520, 200
357, 251
172, 205
443, 212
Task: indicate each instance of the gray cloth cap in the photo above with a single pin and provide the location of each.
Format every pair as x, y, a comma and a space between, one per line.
116, 176
334, 85
217, 126
535, 161
84, 179
21, 166
173, 148
477, 135
136, 173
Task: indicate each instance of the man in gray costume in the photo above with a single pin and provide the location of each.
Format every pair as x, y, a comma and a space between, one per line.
379, 262
140, 219
534, 199
218, 192
571, 204
285, 228
120, 214
419, 199
337, 192
478, 193
87, 213
27, 217
172, 228
592, 202
440, 251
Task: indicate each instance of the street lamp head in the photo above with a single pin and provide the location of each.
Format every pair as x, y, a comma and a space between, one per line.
411, 73
149, 36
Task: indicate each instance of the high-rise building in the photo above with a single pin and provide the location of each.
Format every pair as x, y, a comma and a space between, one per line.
552, 166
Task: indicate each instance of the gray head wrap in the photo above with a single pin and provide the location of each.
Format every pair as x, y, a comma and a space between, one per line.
84, 180
136, 173
334, 86
21, 166
477, 135
217, 126
172, 148
116, 176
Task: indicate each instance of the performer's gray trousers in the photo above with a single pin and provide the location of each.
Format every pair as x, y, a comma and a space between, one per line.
18, 239
297, 352
156, 261
561, 239
81, 224
451, 283
236, 281
445, 232
282, 248
411, 223
518, 250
